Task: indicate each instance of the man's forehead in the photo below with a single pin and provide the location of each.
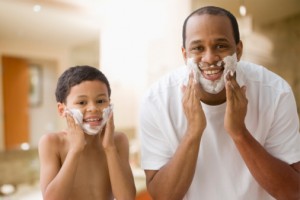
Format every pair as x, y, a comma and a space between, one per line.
212, 25
205, 18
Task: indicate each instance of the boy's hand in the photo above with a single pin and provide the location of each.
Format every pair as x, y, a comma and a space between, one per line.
236, 109
192, 106
107, 135
75, 134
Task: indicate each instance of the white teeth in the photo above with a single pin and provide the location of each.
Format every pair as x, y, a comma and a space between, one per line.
210, 72
91, 120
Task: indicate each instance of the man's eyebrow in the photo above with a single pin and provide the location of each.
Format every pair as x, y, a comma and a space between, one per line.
221, 40
216, 40
196, 42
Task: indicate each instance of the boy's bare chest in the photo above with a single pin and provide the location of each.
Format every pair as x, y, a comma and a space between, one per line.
91, 180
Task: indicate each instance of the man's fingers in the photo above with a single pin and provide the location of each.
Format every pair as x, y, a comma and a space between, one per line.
186, 89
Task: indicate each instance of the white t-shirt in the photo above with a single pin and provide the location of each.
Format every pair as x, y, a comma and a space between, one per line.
221, 173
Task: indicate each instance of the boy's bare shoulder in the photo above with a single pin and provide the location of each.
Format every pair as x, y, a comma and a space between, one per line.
120, 136
54, 139
121, 140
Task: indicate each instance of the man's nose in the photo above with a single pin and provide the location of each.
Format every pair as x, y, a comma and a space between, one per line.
210, 57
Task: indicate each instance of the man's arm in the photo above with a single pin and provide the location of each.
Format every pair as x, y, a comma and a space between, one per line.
173, 180
279, 179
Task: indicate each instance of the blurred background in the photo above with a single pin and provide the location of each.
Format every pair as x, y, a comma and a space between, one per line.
134, 42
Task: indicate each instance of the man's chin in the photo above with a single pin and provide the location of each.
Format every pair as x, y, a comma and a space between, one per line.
213, 87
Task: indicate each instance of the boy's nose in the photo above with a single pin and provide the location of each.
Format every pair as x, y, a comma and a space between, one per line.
92, 108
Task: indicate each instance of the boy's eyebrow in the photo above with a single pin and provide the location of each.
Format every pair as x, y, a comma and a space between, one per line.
103, 94
99, 95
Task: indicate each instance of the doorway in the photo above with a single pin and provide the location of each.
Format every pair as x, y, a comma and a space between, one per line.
15, 83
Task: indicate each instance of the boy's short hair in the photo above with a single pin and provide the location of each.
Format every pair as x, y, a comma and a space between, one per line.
76, 75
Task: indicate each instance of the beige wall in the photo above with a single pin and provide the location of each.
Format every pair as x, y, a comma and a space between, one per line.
277, 47
285, 37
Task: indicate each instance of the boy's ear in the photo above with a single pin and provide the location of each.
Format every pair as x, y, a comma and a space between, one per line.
61, 108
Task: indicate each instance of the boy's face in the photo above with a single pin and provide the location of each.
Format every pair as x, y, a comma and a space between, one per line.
90, 97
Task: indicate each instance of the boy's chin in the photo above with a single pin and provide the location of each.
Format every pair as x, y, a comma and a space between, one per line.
92, 130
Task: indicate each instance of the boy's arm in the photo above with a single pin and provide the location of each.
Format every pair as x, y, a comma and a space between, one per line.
116, 149
57, 179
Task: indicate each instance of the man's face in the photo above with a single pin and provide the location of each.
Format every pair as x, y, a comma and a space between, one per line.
209, 39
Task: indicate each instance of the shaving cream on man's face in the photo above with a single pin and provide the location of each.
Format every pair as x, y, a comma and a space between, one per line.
216, 86
87, 128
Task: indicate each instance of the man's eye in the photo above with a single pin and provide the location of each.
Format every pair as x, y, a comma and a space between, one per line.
197, 49
221, 46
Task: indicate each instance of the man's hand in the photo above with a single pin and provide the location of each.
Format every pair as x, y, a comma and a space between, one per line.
236, 109
192, 106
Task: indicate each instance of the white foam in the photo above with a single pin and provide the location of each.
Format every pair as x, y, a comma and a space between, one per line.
230, 64
87, 128
213, 87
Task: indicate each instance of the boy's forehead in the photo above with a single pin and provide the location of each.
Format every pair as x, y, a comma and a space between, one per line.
95, 85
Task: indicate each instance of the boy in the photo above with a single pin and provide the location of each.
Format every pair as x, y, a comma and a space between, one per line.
87, 160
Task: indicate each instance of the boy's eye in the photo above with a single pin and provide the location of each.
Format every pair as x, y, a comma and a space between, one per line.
81, 102
101, 101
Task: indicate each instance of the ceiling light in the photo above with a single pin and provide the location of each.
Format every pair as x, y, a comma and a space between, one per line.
25, 146
37, 8
243, 10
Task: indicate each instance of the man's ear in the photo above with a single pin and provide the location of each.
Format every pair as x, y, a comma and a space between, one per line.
183, 51
239, 50
61, 108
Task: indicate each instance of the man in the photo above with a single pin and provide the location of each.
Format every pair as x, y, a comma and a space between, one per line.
241, 141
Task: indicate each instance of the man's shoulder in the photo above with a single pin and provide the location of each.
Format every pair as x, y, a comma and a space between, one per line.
251, 73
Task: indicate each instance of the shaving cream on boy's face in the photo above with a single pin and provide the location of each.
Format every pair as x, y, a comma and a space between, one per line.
215, 86
87, 128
